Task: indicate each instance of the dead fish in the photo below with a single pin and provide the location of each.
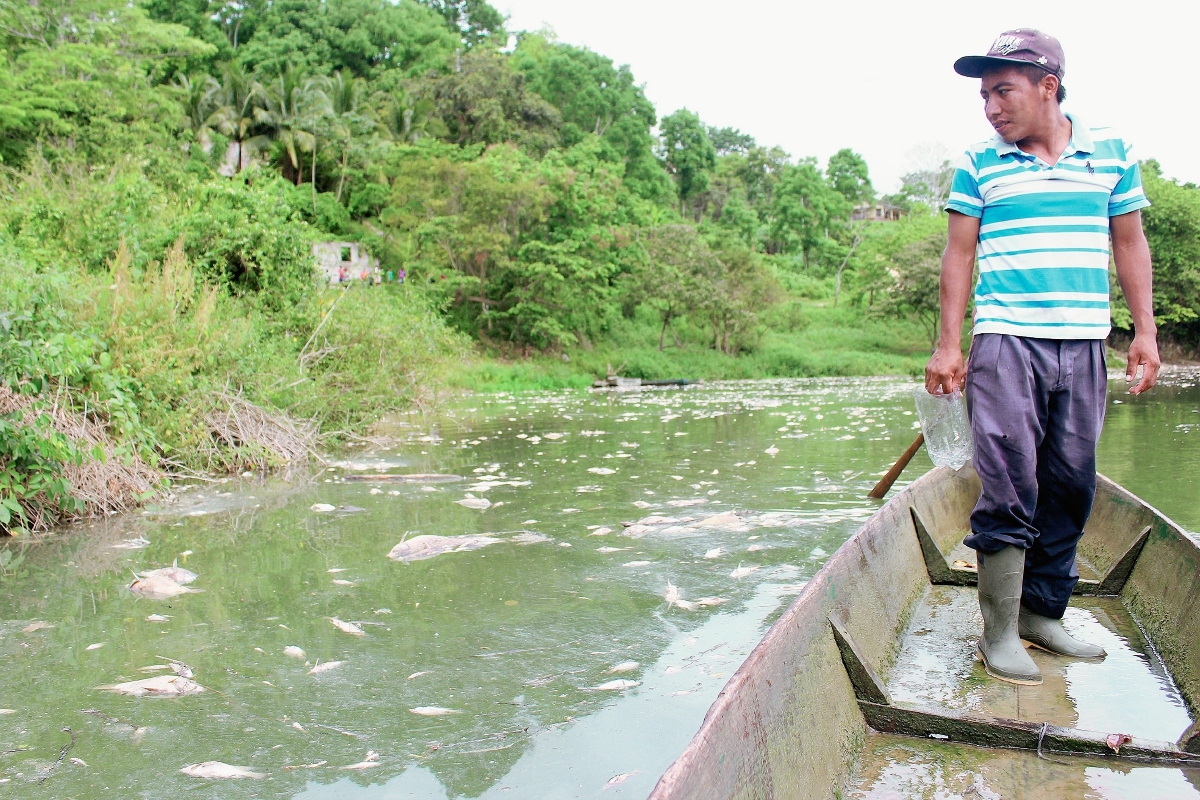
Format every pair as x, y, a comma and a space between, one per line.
328, 665
159, 587
336, 570
716, 552
433, 711
601, 471
617, 780
157, 618
78, 761
174, 572
347, 627
705, 602
671, 594
602, 531
641, 504
658, 519
612, 549
95, 646
36, 626
371, 760
418, 674
772, 450
160, 686
742, 572
322, 507
291, 651
754, 548
478, 503
636, 564
314, 765
341, 582
425, 546
624, 666
179, 668
614, 686
553, 436
136, 543
154, 668
219, 770
5, 711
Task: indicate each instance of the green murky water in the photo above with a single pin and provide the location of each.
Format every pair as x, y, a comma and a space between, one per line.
516, 638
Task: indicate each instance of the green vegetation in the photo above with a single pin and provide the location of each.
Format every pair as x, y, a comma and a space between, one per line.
167, 167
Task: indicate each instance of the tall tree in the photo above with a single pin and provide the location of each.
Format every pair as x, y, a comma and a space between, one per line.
847, 173
803, 207
240, 110
688, 154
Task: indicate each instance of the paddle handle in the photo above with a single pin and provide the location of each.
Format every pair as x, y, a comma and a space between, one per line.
886, 482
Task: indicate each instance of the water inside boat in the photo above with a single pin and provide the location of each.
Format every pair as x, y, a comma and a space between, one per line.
1130, 691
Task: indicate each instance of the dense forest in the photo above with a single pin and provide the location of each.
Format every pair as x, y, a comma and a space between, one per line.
167, 167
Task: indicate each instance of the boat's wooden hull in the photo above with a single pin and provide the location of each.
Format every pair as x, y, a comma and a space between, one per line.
789, 721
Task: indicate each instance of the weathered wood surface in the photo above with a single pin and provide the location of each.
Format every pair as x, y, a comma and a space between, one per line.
787, 724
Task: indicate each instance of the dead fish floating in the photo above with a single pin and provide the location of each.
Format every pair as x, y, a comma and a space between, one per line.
174, 572
219, 770
417, 477
614, 686
159, 587
328, 665
158, 686
624, 666
433, 711
291, 651
476, 503
426, 546
347, 627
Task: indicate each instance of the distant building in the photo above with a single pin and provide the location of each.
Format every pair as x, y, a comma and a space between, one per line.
345, 261
877, 211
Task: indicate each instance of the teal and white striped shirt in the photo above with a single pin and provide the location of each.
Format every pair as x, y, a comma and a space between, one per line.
1043, 235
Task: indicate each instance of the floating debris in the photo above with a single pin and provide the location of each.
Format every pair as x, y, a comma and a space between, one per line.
624, 666
291, 651
314, 765
382, 611
529, 537
347, 627
336, 570
95, 646
433, 711
636, 564
4, 711
342, 582
612, 549
675, 598
716, 552
219, 770
37, 626
705, 602
328, 665
158, 618
754, 548
553, 436
418, 674
412, 478
159, 587
426, 546
160, 686
321, 508
601, 471
602, 531
742, 572
614, 686
772, 450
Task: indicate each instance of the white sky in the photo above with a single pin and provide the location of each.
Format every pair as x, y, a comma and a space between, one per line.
814, 77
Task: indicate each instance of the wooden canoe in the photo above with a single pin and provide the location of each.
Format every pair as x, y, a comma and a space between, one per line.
791, 720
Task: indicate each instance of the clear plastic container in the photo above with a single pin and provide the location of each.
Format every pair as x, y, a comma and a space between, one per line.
946, 428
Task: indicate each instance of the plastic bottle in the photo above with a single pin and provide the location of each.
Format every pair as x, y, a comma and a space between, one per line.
946, 428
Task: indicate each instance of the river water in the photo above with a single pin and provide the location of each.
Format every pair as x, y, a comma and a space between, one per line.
517, 646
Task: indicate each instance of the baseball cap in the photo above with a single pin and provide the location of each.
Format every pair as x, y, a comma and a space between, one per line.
1019, 46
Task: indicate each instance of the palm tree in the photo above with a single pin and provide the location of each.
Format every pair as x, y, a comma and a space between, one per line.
345, 101
240, 97
296, 101
200, 96
407, 118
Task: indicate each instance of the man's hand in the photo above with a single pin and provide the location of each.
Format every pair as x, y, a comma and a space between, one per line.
1143, 352
945, 371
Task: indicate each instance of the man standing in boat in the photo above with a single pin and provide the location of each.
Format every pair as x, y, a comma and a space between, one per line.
1036, 205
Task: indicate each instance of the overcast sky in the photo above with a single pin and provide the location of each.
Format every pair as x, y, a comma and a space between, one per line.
877, 76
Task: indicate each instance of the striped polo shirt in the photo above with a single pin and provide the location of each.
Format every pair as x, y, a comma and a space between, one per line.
1043, 247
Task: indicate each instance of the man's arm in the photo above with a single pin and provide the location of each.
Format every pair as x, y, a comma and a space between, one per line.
945, 367
1132, 256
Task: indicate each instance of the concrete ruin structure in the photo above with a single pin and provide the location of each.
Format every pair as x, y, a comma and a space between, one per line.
345, 261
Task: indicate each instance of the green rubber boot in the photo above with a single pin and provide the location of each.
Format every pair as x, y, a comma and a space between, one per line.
1000, 647
1049, 635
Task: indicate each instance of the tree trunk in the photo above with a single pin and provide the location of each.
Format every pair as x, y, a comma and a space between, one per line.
342, 180
662, 335
313, 173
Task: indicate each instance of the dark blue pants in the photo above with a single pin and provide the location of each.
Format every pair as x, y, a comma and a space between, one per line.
1036, 408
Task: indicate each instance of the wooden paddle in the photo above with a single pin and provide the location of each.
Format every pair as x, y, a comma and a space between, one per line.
887, 480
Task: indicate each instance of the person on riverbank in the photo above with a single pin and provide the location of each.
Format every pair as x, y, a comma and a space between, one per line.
1036, 205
